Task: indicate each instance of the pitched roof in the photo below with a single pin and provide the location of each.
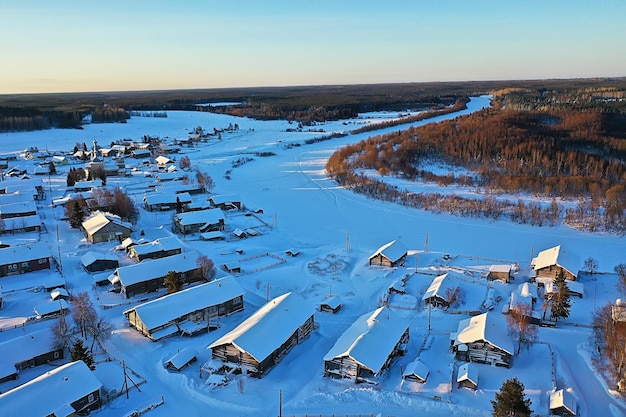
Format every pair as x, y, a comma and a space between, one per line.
99, 220
565, 399
211, 216
163, 310
416, 368
438, 287
53, 390
484, 327
22, 348
269, 327
157, 245
182, 358
370, 340
92, 256
24, 253
154, 268
556, 256
467, 372
393, 250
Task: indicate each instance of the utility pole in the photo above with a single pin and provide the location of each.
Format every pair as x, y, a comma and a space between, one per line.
347, 240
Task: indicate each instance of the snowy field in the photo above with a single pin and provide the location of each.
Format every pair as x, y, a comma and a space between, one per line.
335, 231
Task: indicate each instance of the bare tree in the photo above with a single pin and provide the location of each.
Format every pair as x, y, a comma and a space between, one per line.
518, 320
591, 265
61, 332
83, 312
206, 266
609, 337
620, 270
205, 181
454, 296
172, 282
184, 162
100, 330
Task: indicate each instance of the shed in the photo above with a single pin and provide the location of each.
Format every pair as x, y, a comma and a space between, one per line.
562, 403
261, 341
226, 202
467, 376
500, 273
213, 236
99, 261
438, 291
390, 254
368, 346
51, 309
331, 305
59, 294
416, 371
182, 359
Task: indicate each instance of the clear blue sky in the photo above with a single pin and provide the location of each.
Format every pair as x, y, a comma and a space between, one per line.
59, 45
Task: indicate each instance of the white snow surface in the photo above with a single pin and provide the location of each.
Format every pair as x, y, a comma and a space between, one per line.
335, 231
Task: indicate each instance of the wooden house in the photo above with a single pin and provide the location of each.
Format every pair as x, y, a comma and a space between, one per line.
500, 273
391, 254
199, 221
467, 377
99, 261
24, 258
85, 186
550, 263
171, 176
182, 359
26, 351
416, 371
24, 224
17, 209
226, 202
165, 201
484, 339
51, 309
562, 403
261, 341
148, 276
368, 346
440, 290
159, 248
106, 227
187, 310
69, 390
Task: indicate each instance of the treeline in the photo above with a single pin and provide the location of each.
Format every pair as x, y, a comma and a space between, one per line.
109, 114
20, 119
560, 153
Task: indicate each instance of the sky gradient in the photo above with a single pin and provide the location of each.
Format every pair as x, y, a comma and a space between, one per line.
68, 46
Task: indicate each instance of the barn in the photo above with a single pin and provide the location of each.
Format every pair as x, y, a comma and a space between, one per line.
439, 291
261, 341
149, 275
71, 389
484, 339
499, 273
390, 254
368, 346
192, 308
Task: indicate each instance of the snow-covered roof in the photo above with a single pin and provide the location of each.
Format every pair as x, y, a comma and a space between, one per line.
23, 222
50, 307
50, 392
556, 256
215, 235
24, 253
59, 292
484, 327
162, 160
225, 199
163, 310
99, 220
332, 302
211, 216
23, 348
182, 358
393, 250
500, 268
17, 207
468, 372
166, 198
155, 268
171, 176
16, 197
92, 256
370, 340
157, 245
269, 327
87, 185
439, 286
563, 398
416, 369
527, 289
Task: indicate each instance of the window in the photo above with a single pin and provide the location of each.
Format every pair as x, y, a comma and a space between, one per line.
56, 355
12, 267
42, 261
91, 398
24, 264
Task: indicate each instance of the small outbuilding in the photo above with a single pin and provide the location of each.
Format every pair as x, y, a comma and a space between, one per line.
331, 305
562, 403
416, 371
182, 359
467, 376
499, 273
99, 261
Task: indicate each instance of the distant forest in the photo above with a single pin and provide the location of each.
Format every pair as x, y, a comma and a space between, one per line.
574, 149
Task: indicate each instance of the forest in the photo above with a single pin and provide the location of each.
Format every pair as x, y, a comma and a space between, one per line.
573, 153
